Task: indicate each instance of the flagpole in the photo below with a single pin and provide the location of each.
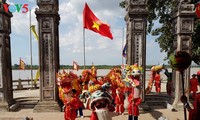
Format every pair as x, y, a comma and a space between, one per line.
84, 46
122, 45
31, 49
19, 67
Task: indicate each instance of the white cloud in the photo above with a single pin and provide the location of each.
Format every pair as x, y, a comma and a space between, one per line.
99, 49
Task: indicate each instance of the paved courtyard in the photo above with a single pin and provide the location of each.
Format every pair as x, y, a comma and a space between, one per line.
154, 113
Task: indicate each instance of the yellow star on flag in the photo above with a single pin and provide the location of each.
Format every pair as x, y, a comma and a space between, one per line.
96, 25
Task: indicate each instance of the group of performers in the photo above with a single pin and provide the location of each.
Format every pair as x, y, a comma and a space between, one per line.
105, 96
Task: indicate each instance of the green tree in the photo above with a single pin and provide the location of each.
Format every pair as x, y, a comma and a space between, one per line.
161, 10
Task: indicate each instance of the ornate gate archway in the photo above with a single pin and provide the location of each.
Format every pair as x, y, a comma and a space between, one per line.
136, 22
48, 21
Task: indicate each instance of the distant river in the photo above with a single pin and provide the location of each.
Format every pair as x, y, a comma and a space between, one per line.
26, 74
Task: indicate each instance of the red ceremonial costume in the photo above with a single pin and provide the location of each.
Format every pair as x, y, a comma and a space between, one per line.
194, 113
133, 104
194, 85
132, 79
68, 94
154, 77
157, 83
119, 101
71, 106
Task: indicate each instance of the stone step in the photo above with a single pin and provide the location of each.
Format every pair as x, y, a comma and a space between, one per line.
157, 100
27, 102
47, 106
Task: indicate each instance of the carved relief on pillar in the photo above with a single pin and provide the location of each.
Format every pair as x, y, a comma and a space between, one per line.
45, 8
138, 25
46, 24
186, 25
47, 5
138, 46
185, 42
47, 43
48, 94
186, 7
137, 6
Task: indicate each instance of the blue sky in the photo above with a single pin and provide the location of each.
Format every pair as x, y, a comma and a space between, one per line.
99, 50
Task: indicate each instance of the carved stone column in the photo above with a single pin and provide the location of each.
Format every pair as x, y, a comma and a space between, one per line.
6, 88
48, 22
183, 20
136, 22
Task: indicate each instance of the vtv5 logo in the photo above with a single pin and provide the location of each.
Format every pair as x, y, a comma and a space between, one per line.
23, 8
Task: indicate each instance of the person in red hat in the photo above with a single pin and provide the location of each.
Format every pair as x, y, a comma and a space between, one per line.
193, 86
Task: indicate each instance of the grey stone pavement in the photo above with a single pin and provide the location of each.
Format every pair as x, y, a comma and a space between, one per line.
154, 114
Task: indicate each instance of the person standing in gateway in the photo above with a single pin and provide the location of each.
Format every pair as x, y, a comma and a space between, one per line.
193, 86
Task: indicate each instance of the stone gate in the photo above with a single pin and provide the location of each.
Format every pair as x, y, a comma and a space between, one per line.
48, 22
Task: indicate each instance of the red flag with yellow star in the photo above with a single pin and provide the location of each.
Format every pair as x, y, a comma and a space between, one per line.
91, 22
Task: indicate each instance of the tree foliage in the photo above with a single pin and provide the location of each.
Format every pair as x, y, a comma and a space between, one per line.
161, 11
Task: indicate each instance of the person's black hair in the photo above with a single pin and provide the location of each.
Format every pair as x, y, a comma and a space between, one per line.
73, 91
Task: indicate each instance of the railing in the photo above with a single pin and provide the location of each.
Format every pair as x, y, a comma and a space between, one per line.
25, 84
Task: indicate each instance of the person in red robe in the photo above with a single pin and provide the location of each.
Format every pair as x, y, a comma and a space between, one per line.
133, 109
193, 113
193, 86
119, 101
71, 105
157, 83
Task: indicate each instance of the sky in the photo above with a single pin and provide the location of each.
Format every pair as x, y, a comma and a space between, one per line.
99, 50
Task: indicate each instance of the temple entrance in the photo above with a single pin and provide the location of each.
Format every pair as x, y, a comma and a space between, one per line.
48, 22
136, 20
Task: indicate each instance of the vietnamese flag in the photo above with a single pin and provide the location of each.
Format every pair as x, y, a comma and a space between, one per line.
91, 22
